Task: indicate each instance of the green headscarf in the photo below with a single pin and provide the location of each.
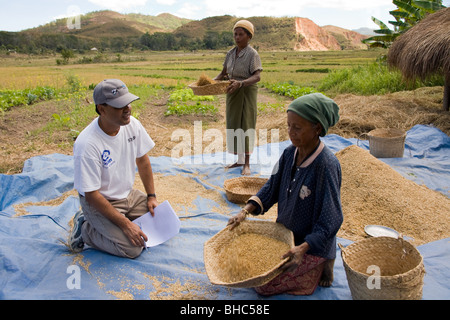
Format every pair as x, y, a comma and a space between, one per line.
317, 108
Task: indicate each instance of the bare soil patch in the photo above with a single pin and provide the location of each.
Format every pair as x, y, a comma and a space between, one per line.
20, 138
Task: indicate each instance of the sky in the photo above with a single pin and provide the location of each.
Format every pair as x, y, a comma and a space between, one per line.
18, 15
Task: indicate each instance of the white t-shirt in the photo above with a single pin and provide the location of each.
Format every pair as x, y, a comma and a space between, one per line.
106, 163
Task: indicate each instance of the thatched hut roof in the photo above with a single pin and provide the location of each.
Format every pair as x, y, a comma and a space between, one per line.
425, 48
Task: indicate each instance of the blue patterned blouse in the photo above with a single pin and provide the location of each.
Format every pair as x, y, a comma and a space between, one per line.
308, 198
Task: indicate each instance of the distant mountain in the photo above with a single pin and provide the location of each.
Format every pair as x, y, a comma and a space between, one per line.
347, 39
107, 23
109, 30
271, 33
366, 31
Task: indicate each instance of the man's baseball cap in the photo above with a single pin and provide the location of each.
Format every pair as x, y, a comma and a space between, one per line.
114, 93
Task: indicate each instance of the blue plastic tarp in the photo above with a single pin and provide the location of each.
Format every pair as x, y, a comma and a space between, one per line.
35, 264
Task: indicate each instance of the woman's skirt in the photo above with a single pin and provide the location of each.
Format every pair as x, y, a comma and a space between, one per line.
301, 281
241, 115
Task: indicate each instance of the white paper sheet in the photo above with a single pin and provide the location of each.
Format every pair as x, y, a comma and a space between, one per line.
160, 228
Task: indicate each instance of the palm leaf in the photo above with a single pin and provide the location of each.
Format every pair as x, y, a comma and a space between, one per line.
415, 12
428, 6
399, 14
383, 38
383, 31
379, 23
400, 24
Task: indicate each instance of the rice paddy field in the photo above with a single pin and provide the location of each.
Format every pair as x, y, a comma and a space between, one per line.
172, 68
45, 105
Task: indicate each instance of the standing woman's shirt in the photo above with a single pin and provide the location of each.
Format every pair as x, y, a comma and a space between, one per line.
244, 65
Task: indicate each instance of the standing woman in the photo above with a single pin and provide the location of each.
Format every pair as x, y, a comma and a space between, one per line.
243, 68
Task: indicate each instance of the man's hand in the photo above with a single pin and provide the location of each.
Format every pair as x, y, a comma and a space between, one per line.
152, 203
135, 234
146, 174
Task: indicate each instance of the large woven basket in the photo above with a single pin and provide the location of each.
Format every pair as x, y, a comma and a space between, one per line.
240, 189
398, 263
217, 88
213, 246
387, 143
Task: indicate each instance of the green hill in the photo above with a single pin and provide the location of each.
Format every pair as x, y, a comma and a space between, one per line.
106, 30
164, 21
109, 30
99, 24
270, 33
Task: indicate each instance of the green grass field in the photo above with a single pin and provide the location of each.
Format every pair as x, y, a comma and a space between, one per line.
50, 104
172, 68
26, 80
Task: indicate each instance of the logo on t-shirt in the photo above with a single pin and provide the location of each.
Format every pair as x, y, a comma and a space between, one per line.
107, 160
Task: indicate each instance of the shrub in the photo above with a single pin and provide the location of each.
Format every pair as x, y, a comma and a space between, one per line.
188, 95
12, 98
371, 79
183, 102
178, 109
290, 90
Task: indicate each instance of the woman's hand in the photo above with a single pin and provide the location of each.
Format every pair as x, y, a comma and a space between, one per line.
235, 85
236, 220
296, 256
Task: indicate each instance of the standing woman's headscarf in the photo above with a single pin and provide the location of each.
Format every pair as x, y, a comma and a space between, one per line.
317, 108
247, 25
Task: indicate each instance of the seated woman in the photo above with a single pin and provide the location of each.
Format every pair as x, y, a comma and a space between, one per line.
306, 185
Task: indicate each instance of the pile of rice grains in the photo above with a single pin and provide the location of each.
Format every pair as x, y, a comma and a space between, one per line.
249, 255
204, 80
374, 193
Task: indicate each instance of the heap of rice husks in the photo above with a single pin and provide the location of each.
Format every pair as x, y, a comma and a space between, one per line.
374, 193
204, 80
249, 255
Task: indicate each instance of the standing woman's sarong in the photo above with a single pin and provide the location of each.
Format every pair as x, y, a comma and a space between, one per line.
241, 116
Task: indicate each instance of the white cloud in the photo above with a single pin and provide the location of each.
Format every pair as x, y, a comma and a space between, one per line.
119, 5
72, 11
198, 9
285, 7
349, 5
251, 7
190, 11
166, 2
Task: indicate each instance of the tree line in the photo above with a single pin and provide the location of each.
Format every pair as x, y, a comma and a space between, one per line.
160, 41
35, 43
